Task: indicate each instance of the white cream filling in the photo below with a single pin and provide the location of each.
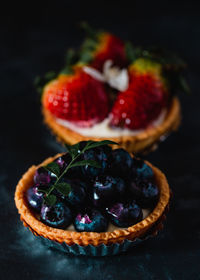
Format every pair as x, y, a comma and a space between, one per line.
111, 227
103, 129
116, 78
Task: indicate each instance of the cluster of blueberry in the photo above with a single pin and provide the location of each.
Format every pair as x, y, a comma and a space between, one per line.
117, 192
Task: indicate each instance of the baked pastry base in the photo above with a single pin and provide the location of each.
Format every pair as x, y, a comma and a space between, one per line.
138, 230
144, 141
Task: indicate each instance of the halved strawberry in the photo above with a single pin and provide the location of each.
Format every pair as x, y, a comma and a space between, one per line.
101, 46
148, 93
138, 106
77, 98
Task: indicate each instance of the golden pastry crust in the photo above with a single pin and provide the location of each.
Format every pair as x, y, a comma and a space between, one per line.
85, 238
143, 141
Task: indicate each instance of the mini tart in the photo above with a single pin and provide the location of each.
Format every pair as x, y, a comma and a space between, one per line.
144, 141
151, 223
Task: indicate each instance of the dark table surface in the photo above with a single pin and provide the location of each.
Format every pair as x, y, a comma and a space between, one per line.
33, 40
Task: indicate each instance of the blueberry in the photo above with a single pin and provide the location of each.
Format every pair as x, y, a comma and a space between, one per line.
121, 162
141, 169
35, 198
99, 155
106, 189
43, 177
77, 196
91, 220
56, 216
146, 193
124, 214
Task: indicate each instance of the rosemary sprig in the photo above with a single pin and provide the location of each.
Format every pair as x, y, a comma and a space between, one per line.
75, 152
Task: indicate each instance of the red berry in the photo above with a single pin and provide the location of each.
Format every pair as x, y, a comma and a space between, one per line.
138, 106
109, 48
78, 98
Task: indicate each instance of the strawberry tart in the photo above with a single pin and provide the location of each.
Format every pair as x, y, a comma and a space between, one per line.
110, 89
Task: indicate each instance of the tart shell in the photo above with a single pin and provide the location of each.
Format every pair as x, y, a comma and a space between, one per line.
152, 222
144, 141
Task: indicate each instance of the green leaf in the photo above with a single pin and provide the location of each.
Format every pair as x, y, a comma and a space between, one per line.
68, 148
71, 58
63, 188
53, 167
92, 163
89, 44
50, 75
40, 82
183, 85
86, 56
100, 143
87, 145
73, 150
67, 70
43, 190
130, 52
70, 55
37, 81
50, 199
88, 30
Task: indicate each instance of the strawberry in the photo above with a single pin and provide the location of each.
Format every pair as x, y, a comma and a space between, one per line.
77, 98
101, 46
136, 107
143, 101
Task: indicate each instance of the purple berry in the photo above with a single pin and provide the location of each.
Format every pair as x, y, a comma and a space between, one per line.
34, 197
43, 177
90, 220
61, 162
107, 189
56, 216
99, 155
144, 192
124, 214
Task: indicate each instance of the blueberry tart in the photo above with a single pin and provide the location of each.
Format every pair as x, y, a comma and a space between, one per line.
85, 201
112, 90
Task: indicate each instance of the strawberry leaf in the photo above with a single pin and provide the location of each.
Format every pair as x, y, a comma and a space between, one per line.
90, 32
40, 82
131, 53
63, 188
70, 56
89, 44
183, 85
86, 56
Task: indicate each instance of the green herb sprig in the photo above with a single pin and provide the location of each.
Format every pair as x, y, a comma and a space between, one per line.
75, 152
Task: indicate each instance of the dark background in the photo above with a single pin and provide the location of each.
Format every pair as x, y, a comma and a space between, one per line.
33, 40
